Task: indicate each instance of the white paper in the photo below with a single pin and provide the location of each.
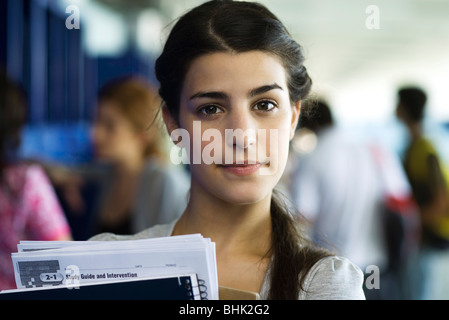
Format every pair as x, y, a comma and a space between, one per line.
72, 263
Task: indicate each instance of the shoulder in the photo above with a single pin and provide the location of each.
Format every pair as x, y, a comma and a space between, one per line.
162, 230
19, 175
170, 175
23, 169
422, 146
166, 169
334, 278
31, 173
35, 172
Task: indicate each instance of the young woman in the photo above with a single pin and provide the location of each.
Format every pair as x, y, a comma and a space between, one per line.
233, 67
137, 192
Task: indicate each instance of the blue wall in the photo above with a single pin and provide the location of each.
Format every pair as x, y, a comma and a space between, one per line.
59, 77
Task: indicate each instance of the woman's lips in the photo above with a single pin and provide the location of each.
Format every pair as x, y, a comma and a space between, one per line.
241, 169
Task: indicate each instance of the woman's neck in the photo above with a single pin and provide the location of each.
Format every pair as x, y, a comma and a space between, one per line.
415, 129
130, 166
242, 236
233, 227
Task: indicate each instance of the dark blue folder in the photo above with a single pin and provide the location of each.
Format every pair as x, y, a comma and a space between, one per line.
170, 288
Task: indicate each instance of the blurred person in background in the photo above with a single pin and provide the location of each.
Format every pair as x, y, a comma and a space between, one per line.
142, 188
29, 208
342, 186
429, 183
423, 167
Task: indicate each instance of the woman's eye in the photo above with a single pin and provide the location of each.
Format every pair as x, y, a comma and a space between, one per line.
265, 106
210, 110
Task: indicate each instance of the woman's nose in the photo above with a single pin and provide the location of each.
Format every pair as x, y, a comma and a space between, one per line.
240, 131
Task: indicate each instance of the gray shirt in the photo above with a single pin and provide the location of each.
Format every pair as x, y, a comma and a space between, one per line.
331, 278
161, 195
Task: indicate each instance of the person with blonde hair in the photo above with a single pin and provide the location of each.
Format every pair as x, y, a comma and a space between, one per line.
142, 189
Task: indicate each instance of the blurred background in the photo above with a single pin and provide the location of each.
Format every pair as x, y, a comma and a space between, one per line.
358, 53
356, 62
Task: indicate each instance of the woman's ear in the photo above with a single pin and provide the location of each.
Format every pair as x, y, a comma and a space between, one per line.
296, 110
170, 122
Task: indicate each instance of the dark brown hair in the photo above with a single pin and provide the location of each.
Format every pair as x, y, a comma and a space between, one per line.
413, 102
12, 118
228, 26
315, 115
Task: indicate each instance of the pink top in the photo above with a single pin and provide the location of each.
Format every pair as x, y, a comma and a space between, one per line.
29, 210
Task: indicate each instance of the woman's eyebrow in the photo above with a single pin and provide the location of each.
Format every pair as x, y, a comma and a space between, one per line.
211, 94
263, 89
223, 96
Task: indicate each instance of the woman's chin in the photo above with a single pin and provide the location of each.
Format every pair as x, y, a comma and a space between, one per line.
243, 197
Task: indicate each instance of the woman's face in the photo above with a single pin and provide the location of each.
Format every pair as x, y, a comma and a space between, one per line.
244, 98
114, 138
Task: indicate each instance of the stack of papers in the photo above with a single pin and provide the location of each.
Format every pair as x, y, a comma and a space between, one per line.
45, 265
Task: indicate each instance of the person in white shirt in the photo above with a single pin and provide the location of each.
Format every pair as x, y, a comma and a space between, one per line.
342, 185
